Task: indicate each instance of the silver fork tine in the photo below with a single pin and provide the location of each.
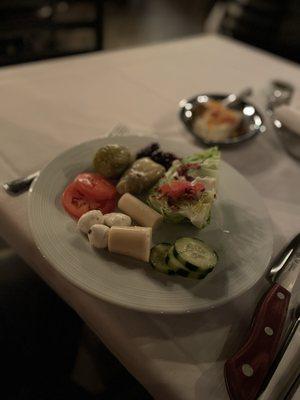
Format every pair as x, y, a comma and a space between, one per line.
20, 185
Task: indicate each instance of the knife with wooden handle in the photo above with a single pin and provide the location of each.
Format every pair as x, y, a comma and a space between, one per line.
246, 371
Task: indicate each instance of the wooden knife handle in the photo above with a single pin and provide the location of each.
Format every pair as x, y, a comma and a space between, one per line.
246, 370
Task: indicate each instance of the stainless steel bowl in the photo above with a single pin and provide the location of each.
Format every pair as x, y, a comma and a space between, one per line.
289, 139
253, 122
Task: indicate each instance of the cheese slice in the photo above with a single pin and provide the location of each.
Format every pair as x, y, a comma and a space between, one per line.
139, 211
132, 241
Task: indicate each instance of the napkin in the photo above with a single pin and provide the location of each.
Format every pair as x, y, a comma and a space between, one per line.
289, 116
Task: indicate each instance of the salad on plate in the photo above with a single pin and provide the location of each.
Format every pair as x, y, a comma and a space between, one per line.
126, 197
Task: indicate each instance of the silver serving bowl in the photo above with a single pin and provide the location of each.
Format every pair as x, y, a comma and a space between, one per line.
289, 139
252, 122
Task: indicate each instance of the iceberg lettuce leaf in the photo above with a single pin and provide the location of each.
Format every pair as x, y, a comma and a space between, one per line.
197, 210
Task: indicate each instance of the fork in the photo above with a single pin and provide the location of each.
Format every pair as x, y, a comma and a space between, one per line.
20, 185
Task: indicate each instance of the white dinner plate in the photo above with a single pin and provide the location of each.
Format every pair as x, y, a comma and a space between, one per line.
240, 232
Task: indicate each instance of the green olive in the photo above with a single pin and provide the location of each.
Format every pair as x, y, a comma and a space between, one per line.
112, 160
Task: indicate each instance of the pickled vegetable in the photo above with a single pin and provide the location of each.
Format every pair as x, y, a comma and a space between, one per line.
112, 160
143, 174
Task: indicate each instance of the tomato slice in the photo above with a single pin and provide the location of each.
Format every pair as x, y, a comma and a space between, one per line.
76, 203
106, 206
95, 186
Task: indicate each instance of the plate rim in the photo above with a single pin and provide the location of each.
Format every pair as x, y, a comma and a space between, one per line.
133, 306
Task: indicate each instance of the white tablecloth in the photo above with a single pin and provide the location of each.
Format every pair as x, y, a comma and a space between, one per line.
49, 106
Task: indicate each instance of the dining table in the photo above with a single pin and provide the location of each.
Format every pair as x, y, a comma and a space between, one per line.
50, 106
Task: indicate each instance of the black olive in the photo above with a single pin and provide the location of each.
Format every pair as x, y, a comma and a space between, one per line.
165, 159
147, 151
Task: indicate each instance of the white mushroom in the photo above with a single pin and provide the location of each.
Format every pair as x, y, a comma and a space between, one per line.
98, 236
117, 219
90, 218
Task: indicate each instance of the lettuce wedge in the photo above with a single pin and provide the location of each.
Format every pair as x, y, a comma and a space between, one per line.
194, 169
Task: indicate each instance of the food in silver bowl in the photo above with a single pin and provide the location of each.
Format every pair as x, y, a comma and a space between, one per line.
213, 121
216, 122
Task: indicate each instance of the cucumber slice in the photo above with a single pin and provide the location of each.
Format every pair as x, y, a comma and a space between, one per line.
173, 262
158, 258
195, 254
180, 269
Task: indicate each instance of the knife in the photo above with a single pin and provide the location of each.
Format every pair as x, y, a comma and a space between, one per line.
284, 374
246, 370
